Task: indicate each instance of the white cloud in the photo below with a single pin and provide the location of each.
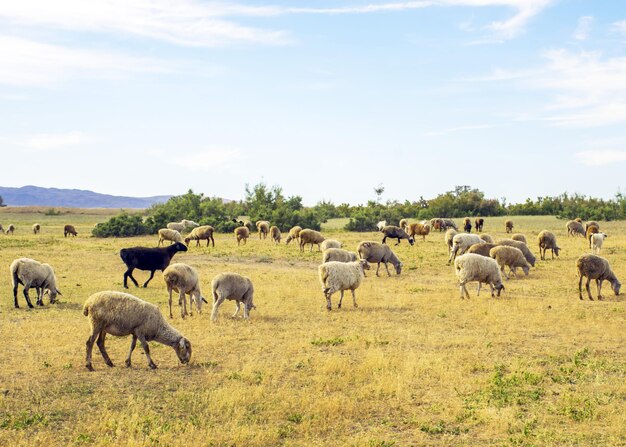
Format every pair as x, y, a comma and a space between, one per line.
50, 142
205, 160
584, 28
619, 27
600, 158
458, 129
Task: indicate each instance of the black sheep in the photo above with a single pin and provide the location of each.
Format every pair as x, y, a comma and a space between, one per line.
395, 233
145, 258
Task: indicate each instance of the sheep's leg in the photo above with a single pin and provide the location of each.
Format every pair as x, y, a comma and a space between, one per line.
340, 299
385, 240
587, 287
354, 298
580, 287
90, 341
301, 246
464, 290
40, 291
170, 301
514, 271
17, 306
146, 349
599, 286
246, 312
27, 297
145, 284
217, 302
237, 308
387, 268
129, 274
183, 304
398, 243
377, 268
133, 343
328, 304
503, 272
479, 286
493, 295
103, 351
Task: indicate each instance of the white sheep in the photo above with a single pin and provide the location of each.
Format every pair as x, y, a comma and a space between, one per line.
448, 236
461, 242
596, 240
294, 233
165, 234
380, 225
474, 267
330, 243
183, 279
511, 257
182, 225
338, 254
340, 276
232, 286
31, 273
121, 314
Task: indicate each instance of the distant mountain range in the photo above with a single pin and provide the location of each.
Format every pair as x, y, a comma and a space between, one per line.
72, 198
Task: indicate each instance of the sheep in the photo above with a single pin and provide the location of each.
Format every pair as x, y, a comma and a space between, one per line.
10, 229
69, 229
448, 236
418, 229
263, 227
575, 228
145, 258
547, 240
36, 228
596, 240
591, 229
294, 233
404, 224
474, 267
396, 233
522, 246
330, 243
340, 276
242, 234
595, 267
182, 225
508, 226
275, 234
467, 225
1, 229
460, 243
201, 233
183, 279
381, 224
482, 248
310, 237
338, 254
437, 224
165, 234
232, 286
478, 224
121, 314
486, 237
449, 223
519, 237
590, 223
579, 220
376, 252
31, 273
511, 257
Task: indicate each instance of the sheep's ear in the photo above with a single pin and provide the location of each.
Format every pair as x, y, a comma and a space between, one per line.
204, 300
59, 292
181, 343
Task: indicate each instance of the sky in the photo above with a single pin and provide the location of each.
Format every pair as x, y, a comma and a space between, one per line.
327, 99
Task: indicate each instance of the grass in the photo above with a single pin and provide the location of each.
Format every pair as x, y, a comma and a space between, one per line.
412, 365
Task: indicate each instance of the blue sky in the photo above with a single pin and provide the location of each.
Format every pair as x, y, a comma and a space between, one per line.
327, 99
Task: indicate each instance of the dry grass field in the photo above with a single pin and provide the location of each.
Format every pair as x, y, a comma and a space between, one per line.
413, 365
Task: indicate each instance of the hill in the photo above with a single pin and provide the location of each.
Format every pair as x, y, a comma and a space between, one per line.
75, 198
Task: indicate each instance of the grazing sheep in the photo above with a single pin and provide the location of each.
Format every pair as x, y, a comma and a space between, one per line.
263, 227
519, 237
242, 234
591, 229
394, 232
449, 223
419, 229
547, 241
340, 276
467, 225
487, 238
404, 224
596, 240
275, 234
146, 258
511, 257
201, 233
590, 223
232, 286
575, 228
121, 314
183, 279
10, 229
474, 267
508, 226
448, 237
376, 252
31, 273
165, 234
69, 229
523, 247
294, 233
311, 237
182, 225
381, 224
338, 254
595, 267
461, 242
36, 228
478, 224
437, 224
482, 248
330, 243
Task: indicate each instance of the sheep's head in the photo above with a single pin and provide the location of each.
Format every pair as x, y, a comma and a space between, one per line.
288, 239
183, 350
364, 264
399, 268
179, 246
411, 240
556, 251
53, 294
526, 269
199, 299
499, 287
187, 240
616, 285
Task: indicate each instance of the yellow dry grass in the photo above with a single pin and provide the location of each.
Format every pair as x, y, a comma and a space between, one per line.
412, 365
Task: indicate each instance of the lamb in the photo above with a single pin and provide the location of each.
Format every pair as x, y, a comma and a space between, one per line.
263, 227
311, 237
338, 254
31, 273
404, 224
591, 229
522, 246
10, 229
165, 234
340, 276
376, 252
474, 267
294, 233
121, 314
508, 226
36, 228
467, 225
242, 233
330, 243
418, 229
275, 234
183, 279
575, 228
482, 249
145, 258
595, 267
69, 229
519, 237
487, 238
381, 224
511, 257
182, 225
448, 236
478, 224
232, 286
396, 233
547, 240
201, 233
596, 240
460, 243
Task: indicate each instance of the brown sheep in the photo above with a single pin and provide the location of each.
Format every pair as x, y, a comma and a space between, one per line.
478, 224
575, 228
242, 233
547, 240
417, 229
508, 226
591, 229
311, 237
294, 233
264, 228
595, 267
481, 249
69, 229
275, 234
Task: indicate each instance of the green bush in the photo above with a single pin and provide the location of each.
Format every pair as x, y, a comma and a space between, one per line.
123, 225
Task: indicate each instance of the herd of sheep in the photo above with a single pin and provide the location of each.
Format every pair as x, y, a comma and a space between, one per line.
476, 258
